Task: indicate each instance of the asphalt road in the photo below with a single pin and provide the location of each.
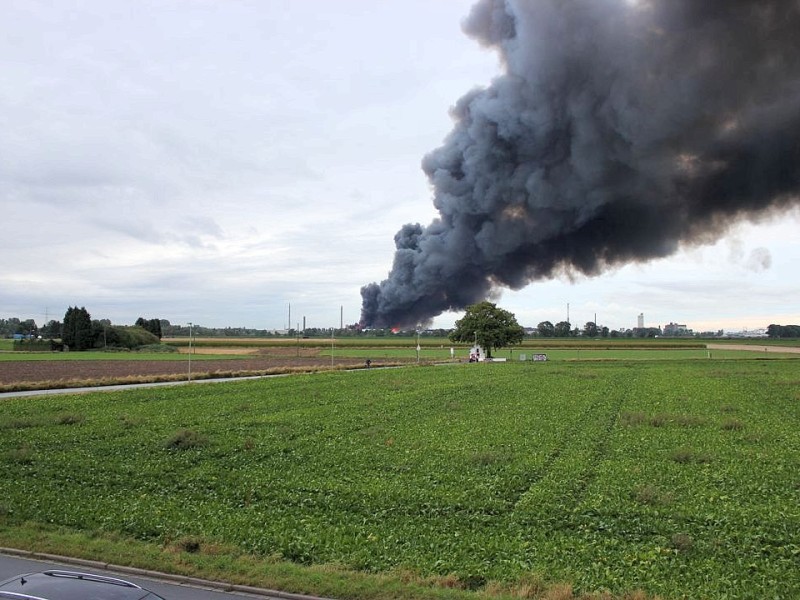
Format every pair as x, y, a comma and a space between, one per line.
11, 566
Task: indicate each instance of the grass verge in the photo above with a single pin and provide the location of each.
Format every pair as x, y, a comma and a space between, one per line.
217, 562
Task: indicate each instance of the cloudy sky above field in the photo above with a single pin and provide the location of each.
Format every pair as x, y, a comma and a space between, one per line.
214, 162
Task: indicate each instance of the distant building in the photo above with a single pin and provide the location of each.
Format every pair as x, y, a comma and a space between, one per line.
477, 354
640, 321
747, 333
676, 329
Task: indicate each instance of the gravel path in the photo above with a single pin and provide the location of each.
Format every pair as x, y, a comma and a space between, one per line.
754, 348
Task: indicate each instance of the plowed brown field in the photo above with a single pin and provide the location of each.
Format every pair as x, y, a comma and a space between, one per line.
62, 372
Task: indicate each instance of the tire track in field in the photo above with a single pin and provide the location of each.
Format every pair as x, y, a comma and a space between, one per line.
600, 449
581, 439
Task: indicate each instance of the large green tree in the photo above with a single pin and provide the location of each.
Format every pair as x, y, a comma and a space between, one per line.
9, 327
76, 332
151, 325
590, 329
563, 329
546, 329
489, 326
52, 329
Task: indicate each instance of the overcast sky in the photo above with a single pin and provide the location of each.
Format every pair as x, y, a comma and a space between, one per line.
214, 161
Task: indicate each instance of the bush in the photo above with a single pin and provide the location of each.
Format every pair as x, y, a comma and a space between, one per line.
732, 425
682, 542
37, 345
685, 456
117, 336
632, 419
652, 495
70, 419
22, 455
158, 348
189, 544
186, 439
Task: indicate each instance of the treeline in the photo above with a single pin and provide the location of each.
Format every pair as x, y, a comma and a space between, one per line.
28, 328
79, 331
170, 330
84, 332
564, 329
783, 331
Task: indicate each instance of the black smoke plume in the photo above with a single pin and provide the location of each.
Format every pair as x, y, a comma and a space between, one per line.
619, 131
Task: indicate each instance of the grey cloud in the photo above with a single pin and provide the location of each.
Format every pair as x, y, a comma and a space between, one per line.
760, 260
192, 231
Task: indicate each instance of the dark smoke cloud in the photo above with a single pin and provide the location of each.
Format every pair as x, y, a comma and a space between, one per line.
618, 132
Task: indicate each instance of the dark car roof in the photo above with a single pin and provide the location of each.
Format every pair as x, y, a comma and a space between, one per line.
71, 585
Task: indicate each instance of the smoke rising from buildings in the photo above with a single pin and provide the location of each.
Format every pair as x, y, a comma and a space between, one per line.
619, 131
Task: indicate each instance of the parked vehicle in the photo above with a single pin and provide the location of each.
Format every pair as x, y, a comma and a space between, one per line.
71, 585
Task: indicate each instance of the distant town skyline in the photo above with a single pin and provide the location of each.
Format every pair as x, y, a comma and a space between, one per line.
301, 324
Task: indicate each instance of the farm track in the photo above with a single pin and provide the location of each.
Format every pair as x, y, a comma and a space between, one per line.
754, 348
571, 466
599, 450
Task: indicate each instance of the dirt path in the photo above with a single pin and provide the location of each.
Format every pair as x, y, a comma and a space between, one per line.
754, 348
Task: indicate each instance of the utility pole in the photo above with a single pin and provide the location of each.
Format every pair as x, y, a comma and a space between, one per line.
190, 352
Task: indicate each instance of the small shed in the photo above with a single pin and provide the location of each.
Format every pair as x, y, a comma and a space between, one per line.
476, 354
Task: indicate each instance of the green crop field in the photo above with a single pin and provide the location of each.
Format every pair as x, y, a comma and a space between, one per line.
557, 353
406, 353
679, 478
400, 341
